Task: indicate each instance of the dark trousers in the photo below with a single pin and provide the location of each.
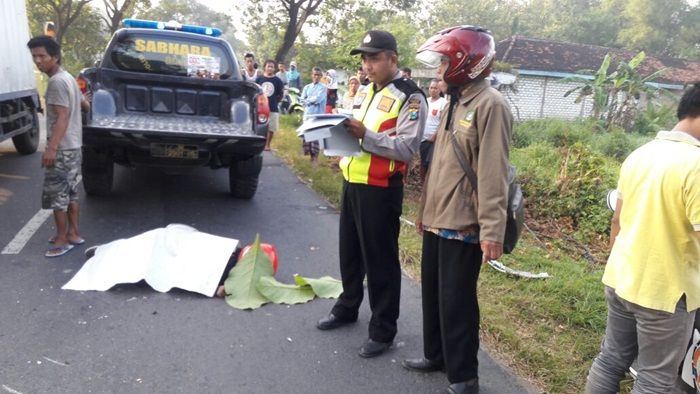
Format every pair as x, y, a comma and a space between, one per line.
450, 270
369, 244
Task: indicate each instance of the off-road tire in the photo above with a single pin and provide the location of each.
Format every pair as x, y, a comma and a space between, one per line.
243, 177
98, 172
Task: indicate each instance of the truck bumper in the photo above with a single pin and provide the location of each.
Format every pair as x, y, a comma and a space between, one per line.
138, 147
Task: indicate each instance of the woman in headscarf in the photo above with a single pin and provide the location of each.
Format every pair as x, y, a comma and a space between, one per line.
349, 96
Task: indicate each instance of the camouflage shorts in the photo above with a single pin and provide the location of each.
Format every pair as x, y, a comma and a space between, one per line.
61, 180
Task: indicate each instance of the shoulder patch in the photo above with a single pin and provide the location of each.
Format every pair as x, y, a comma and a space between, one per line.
413, 108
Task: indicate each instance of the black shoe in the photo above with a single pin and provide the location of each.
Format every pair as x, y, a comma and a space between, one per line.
373, 348
422, 365
332, 321
471, 386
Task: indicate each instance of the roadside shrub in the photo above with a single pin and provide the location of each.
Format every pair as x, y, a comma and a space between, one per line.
655, 118
556, 132
616, 144
568, 182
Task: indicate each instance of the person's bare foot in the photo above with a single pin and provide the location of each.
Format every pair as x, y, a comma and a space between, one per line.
220, 292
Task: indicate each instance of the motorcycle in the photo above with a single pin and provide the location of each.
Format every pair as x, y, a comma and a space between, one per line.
290, 104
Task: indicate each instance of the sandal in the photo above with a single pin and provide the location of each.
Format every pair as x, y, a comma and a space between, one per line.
80, 241
59, 250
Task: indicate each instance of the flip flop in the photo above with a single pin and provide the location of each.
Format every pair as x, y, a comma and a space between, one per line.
80, 241
58, 250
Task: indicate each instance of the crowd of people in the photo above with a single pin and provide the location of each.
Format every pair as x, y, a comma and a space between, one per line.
651, 280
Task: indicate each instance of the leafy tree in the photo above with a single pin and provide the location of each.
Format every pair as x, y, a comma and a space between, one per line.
345, 24
274, 25
195, 13
187, 12
82, 43
115, 12
652, 25
63, 13
497, 16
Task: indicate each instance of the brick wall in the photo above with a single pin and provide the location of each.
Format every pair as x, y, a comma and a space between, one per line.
543, 97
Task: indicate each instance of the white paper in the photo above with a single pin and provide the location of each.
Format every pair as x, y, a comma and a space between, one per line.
341, 143
317, 134
333, 137
174, 256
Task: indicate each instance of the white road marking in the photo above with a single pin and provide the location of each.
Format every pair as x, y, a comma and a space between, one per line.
55, 362
10, 176
11, 390
25, 234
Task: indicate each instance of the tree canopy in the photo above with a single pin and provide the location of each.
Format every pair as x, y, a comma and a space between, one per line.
321, 32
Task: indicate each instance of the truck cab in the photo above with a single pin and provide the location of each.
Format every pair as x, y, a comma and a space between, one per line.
172, 95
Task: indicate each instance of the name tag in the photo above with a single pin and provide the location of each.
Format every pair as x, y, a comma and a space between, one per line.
385, 104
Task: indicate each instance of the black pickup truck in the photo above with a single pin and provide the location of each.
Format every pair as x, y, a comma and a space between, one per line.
172, 98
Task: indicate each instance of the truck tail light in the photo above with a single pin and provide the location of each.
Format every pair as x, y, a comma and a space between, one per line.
82, 83
263, 109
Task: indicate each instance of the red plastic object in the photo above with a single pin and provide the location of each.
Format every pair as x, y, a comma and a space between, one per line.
269, 250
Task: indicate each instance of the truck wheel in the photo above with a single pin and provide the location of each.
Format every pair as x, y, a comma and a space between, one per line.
98, 172
243, 177
26, 143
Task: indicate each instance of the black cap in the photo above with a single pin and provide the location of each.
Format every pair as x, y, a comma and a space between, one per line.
376, 41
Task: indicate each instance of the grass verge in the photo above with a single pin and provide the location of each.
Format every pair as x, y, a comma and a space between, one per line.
548, 330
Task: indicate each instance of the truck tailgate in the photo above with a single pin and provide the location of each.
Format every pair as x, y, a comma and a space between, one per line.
169, 125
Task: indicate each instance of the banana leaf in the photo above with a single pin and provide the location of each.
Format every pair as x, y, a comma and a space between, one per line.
324, 287
281, 293
241, 284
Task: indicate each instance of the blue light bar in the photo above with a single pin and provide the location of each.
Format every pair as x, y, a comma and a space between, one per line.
146, 24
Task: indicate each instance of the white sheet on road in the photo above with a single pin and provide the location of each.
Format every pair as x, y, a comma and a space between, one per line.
174, 256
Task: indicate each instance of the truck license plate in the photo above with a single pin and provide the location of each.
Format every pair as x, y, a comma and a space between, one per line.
175, 151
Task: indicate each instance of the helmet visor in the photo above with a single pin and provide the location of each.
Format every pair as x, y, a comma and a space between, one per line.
430, 59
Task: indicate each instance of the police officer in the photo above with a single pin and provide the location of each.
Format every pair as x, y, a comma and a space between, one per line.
462, 226
389, 117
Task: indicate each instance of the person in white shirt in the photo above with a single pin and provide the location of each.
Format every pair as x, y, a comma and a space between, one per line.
435, 107
250, 72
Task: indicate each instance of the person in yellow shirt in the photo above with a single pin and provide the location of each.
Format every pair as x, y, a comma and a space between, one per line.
652, 278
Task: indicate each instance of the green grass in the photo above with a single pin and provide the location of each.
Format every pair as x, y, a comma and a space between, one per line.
548, 330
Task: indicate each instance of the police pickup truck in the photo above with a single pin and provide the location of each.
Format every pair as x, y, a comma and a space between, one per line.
166, 94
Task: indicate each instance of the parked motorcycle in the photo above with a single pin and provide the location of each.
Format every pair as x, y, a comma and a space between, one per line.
290, 104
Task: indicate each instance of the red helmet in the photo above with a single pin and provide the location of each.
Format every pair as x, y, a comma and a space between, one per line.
469, 49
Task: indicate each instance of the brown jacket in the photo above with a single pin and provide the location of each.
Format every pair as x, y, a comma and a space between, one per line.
482, 124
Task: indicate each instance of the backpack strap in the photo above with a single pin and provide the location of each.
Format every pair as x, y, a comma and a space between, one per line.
463, 162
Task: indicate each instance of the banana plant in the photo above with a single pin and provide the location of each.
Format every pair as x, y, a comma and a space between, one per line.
615, 95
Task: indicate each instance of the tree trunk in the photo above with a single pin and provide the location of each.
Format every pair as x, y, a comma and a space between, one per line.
65, 15
299, 11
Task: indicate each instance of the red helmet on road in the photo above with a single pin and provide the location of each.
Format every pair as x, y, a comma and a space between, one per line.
469, 49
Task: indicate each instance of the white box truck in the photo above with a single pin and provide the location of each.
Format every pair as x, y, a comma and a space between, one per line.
19, 99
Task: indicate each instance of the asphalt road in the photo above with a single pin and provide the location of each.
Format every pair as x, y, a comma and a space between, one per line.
132, 339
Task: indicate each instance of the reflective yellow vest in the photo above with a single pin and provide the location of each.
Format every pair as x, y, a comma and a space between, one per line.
379, 112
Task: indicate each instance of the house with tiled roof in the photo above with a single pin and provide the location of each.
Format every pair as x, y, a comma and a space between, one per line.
541, 64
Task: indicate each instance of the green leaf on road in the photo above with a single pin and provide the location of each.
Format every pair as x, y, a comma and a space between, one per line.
241, 284
325, 287
281, 293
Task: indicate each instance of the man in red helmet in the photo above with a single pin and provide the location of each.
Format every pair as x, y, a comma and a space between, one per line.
461, 228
